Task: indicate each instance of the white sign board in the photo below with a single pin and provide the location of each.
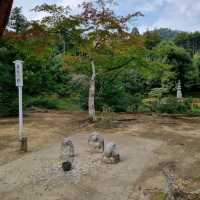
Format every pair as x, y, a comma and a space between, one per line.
19, 73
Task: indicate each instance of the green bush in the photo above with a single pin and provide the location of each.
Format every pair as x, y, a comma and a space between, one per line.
171, 105
52, 102
43, 102
165, 105
157, 92
8, 104
144, 108
195, 112
149, 104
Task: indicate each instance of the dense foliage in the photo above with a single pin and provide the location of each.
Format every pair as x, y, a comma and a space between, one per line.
135, 72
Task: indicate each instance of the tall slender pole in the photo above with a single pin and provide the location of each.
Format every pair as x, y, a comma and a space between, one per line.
21, 133
19, 84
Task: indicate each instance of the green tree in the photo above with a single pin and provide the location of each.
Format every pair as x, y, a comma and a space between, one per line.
152, 38
8, 91
59, 21
178, 58
195, 76
167, 34
189, 41
18, 21
135, 31
55, 14
101, 25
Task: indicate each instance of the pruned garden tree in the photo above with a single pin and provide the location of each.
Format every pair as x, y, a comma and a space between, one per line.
101, 25
5, 9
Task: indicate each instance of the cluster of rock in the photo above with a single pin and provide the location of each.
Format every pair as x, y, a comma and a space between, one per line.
96, 144
110, 151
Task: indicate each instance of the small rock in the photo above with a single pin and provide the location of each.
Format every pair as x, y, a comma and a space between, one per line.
66, 166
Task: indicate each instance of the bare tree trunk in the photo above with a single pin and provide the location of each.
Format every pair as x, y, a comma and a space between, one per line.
5, 8
91, 104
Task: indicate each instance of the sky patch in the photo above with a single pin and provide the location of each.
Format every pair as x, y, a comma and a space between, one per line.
174, 14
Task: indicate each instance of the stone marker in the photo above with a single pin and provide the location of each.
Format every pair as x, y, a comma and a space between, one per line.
111, 154
179, 91
96, 142
67, 154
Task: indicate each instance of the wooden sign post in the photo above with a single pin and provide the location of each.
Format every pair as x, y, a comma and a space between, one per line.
19, 84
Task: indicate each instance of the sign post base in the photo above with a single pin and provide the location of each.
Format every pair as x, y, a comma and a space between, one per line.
24, 144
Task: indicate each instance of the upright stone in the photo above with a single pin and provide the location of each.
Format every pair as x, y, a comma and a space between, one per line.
96, 143
111, 154
67, 154
179, 91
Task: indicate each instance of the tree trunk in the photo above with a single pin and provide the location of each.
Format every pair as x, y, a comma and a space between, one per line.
5, 8
91, 105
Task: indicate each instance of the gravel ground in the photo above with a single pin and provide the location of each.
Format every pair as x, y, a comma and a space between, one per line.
38, 175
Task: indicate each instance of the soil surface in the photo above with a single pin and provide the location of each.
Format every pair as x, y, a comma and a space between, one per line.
147, 144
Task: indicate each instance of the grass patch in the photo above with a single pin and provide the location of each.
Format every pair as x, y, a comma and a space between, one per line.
197, 179
159, 196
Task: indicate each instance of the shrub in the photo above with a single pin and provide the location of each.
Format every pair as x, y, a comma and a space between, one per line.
149, 104
166, 105
143, 108
43, 102
157, 92
8, 104
53, 102
195, 111
171, 105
